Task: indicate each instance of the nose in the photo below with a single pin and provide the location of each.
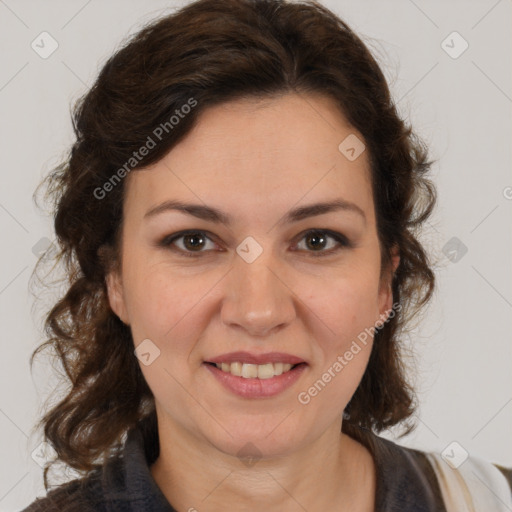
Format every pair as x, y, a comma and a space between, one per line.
258, 300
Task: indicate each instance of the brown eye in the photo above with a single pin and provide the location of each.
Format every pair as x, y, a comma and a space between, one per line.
320, 242
188, 242
316, 240
194, 241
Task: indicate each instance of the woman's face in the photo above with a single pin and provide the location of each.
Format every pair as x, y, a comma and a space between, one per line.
262, 284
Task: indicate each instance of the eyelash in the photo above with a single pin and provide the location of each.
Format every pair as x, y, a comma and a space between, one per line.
168, 240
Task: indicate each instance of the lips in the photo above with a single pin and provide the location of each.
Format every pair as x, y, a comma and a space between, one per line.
251, 375
248, 358
256, 388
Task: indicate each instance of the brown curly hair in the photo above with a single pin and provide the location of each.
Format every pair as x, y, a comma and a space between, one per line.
216, 51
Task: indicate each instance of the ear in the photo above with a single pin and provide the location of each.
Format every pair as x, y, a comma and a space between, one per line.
116, 296
386, 290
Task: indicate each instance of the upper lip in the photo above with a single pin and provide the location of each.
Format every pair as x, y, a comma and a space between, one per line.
247, 357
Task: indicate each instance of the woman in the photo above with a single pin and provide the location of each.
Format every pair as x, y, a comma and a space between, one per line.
239, 218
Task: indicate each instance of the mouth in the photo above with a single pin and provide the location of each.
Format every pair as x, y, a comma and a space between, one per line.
256, 371
256, 375
256, 381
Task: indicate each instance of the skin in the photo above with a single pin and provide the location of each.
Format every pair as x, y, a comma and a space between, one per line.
255, 160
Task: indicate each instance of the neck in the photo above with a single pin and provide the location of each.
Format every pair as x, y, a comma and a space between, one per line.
333, 470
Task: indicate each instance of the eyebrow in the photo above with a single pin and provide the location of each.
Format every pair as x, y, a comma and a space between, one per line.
211, 214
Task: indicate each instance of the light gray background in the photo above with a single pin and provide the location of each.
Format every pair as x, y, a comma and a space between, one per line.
461, 107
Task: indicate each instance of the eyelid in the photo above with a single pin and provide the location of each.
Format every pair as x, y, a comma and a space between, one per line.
167, 241
343, 241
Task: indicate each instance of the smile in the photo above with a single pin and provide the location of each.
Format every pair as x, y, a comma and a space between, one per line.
256, 380
255, 371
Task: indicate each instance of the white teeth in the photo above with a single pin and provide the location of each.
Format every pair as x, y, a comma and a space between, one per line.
278, 368
265, 371
252, 371
249, 371
236, 369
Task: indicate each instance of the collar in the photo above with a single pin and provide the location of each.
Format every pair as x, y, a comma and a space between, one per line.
405, 478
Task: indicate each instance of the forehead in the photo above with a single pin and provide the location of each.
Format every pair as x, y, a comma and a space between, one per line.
256, 154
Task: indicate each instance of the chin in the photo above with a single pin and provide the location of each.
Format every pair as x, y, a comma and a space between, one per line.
254, 442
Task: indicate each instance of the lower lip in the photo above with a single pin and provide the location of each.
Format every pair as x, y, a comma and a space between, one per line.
256, 388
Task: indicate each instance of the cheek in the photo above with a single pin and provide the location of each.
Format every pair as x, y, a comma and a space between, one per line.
159, 305
343, 349
348, 305
171, 308
168, 311
348, 310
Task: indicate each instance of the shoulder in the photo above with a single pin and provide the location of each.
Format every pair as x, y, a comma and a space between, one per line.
413, 479
123, 482
81, 495
405, 479
472, 481
92, 493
